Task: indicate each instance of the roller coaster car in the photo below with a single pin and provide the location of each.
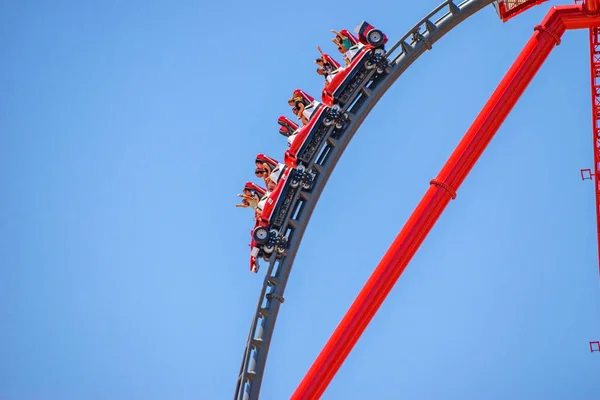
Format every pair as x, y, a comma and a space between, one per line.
256, 250
267, 235
367, 62
305, 142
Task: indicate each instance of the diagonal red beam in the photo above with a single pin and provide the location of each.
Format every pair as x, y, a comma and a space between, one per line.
437, 197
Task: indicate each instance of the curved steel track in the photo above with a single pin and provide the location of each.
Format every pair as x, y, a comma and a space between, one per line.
401, 55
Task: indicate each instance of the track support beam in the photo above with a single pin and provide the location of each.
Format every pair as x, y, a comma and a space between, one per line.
437, 198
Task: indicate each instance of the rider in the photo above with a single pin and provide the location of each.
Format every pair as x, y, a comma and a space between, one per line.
251, 195
269, 169
298, 104
343, 44
303, 105
341, 40
325, 66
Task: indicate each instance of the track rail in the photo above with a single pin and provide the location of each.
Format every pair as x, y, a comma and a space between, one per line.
401, 55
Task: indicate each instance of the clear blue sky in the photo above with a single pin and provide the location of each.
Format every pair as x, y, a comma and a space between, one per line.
128, 128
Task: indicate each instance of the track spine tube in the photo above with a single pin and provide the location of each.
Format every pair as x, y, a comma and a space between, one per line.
436, 199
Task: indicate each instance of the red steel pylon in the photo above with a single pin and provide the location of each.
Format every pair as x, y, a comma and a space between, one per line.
595, 85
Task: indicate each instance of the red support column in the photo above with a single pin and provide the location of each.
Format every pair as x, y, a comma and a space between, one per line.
442, 189
595, 86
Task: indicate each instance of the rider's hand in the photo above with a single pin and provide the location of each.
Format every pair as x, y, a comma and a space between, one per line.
248, 201
245, 201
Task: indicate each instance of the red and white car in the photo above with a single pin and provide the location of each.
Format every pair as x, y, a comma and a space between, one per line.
262, 194
266, 235
367, 62
305, 141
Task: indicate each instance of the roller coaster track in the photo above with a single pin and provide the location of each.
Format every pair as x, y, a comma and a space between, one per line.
401, 55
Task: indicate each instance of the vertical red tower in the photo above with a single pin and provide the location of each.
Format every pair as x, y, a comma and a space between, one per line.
593, 7
595, 85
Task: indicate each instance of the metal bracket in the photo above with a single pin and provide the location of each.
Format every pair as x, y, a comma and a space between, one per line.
417, 37
586, 174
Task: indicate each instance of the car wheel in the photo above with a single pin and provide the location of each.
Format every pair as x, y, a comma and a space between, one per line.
296, 176
294, 182
375, 38
369, 64
307, 181
260, 234
268, 249
380, 70
327, 121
